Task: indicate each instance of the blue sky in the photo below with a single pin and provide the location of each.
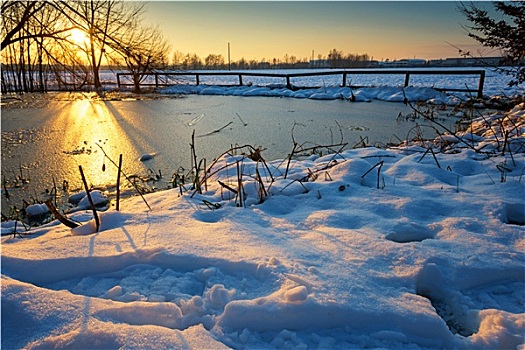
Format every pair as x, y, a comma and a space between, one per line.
256, 30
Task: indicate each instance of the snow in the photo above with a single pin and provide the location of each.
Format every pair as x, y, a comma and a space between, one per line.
390, 94
368, 87
368, 248
146, 156
97, 197
36, 209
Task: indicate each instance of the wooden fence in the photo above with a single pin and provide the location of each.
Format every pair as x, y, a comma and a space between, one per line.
344, 74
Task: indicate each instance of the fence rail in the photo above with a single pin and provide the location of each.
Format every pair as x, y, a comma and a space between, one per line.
343, 73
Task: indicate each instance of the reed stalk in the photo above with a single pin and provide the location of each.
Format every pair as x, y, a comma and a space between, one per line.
117, 205
88, 194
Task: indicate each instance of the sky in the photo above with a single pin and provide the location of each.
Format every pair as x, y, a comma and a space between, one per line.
305, 29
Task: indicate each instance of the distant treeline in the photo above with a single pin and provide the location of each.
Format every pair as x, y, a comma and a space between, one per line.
64, 45
334, 59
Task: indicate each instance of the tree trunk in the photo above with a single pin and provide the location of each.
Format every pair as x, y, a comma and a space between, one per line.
136, 83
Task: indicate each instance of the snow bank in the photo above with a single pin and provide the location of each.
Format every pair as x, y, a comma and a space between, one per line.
372, 87
81, 200
36, 210
368, 248
384, 93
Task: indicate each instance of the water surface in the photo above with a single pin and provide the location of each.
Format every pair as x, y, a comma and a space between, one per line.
49, 143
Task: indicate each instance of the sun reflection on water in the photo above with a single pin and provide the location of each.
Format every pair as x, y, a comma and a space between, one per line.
89, 130
49, 143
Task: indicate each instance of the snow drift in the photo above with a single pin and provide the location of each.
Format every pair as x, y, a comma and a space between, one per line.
421, 252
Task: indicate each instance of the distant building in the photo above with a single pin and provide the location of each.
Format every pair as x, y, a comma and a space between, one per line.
415, 62
409, 63
466, 62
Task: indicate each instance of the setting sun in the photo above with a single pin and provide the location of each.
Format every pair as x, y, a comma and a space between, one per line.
78, 37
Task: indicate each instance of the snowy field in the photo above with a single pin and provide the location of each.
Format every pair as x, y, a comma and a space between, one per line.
386, 87
367, 248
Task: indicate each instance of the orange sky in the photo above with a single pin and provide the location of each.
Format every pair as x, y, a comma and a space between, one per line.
257, 30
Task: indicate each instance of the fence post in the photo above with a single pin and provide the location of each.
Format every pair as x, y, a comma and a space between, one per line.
481, 73
481, 83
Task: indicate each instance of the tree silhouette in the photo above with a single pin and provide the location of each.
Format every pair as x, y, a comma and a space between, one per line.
36, 45
143, 49
15, 16
36, 37
104, 22
506, 34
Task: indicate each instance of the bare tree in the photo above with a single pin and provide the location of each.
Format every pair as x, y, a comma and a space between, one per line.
242, 63
214, 61
15, 17
192, 61
103, 21
177, 59
33, 35
36, 36
335, 57
143, 49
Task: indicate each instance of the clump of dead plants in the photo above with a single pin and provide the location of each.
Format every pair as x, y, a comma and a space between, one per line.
496, 133
240, 166
261, 174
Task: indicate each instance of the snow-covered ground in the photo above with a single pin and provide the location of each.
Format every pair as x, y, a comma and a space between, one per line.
386, 87
369, 248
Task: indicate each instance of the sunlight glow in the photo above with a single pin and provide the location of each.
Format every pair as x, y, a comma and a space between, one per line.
90, 123
78, 37
268, 29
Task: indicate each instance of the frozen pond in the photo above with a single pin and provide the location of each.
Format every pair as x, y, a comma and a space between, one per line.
49, 143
